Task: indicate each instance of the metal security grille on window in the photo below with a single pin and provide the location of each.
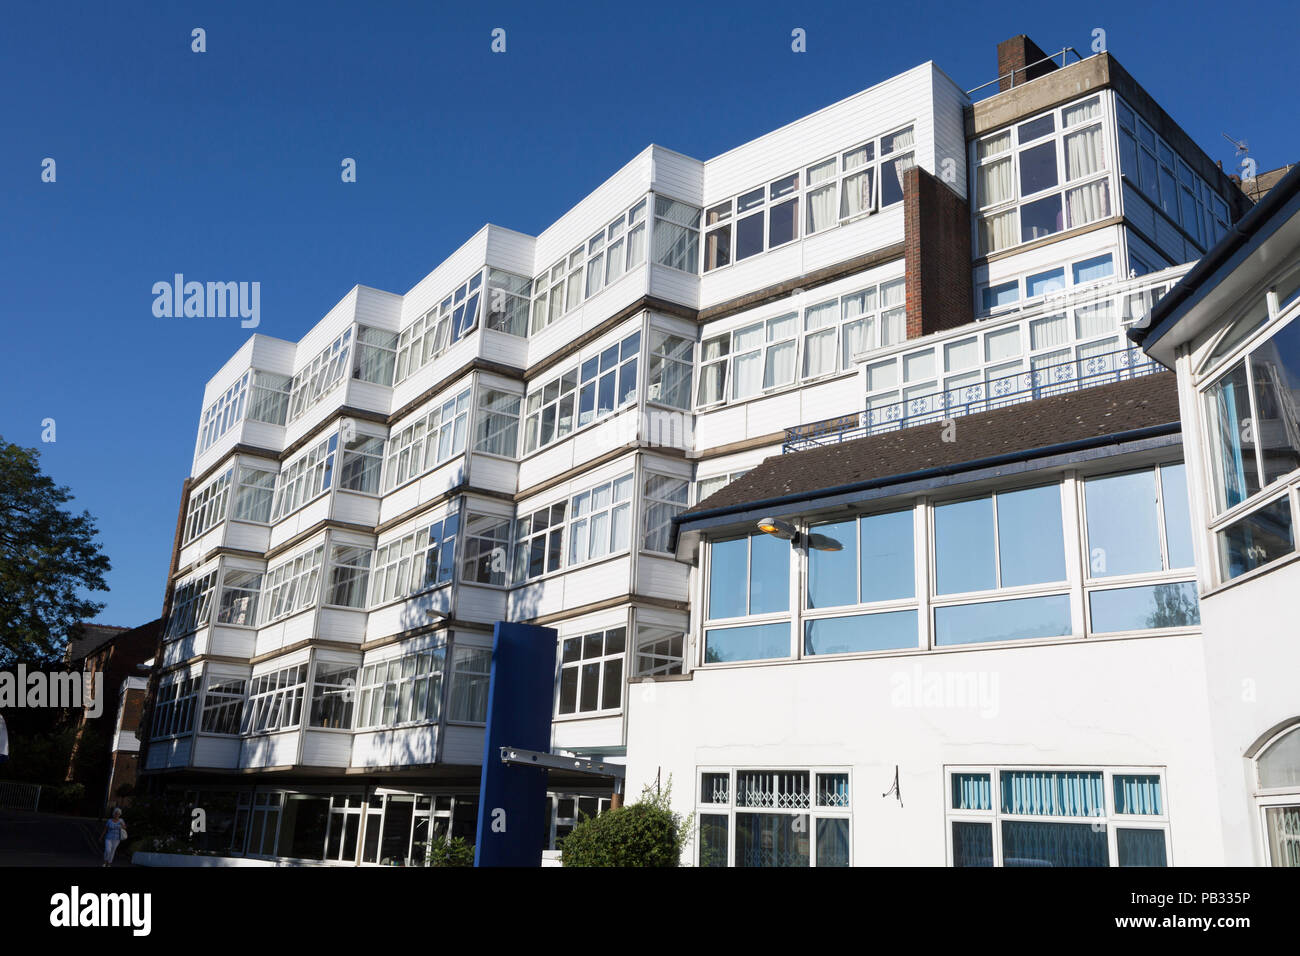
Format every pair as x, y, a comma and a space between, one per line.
784, 791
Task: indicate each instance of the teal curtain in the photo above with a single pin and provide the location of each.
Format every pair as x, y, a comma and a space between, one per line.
971, 791
832, 841
972, 843
1138, 793
1053, 793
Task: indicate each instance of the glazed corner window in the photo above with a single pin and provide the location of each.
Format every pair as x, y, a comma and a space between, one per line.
438, 329
508, 297
497, 424
325, 371
1252, 419
191, 605
269, 401
748, 576
239, 594
471, 674
665, 498
224, 413
332, 693
275, 700
363, 461
415, 562
658, 651
376, 355
254, 495
486, 550
539, 542
349, 575
591, 672
600, 521
668, 379
676, 235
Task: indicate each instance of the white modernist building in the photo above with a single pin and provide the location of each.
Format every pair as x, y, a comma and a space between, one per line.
520, 437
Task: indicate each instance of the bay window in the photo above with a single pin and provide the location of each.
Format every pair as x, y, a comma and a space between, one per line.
402, 690
269, 399
240, 591
325, 371
431, 440
207, 507
665, 498
486, 550
470, 680
305, 479
173, 710
275, 700
591, 672
668, 377
291, 586
439, 329
363, 460
1056, 817
549, 412
600, 521
676, 235
333, 690
376, 355
191, 605
349, 575
1253, 431
222, 702
415, 562
497, 423
254, 495
539, 542
508, 298
224, 413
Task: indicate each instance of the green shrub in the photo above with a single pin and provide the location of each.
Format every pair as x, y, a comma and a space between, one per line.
645, 833
454, 852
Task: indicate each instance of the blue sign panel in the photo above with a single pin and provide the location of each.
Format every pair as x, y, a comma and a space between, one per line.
512, 799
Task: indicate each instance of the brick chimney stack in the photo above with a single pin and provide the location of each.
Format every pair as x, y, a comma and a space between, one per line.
1015, 55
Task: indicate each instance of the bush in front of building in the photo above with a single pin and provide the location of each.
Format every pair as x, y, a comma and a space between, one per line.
645, 833
454, 852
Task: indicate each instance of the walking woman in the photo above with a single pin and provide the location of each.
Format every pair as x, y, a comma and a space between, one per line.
114, 833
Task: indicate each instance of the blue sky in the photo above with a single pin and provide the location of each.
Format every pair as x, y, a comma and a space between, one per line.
225, 166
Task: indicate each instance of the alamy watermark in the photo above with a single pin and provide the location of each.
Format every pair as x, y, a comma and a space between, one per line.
210, 300
82, 690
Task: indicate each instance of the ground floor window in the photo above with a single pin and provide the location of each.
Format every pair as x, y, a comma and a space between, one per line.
1022, 817
565, 810
765, 818
1277, 770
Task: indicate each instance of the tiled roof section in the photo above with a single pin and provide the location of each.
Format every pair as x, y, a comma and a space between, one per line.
90, 638
1257, 187
1144, 402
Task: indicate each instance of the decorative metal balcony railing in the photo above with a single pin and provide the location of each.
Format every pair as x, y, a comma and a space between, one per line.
942, 405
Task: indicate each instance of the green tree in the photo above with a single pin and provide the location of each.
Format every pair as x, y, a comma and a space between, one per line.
49, 562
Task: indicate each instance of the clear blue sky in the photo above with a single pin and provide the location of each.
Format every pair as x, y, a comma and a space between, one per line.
225, 166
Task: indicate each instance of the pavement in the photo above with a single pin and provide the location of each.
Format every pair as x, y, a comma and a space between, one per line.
50, 839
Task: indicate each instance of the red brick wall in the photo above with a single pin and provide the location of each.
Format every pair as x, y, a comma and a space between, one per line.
1014, 55
937, 257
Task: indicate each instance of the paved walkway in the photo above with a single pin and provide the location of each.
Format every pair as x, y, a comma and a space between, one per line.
48, 839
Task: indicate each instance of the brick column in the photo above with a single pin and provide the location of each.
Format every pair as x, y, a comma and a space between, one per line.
937, 255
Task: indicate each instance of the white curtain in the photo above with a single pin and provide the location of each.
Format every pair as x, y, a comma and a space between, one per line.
779, 367
821, 209
819, 344
995, 183
893, 293
855, 338
998, 231
747, 374
1053, 330
1095, 319
1083, 153
898, 142
1082, 112
1088, 203
992, 145
893, 327
857, 194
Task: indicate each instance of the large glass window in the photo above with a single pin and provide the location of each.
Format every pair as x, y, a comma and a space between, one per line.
376, 355
415, 562
668, 381
332, 694
291, 586
600, 521
431, 440
224, 413
1056, 818
676, 235
254, 495
275, 700
363, 460
325, 371
748, 576
773, 818
403, 690
438, 329
191, 605
471, 674
508, 297
591, 672
539, 542
665, 498
222, 702
487, 549
1020, 172
1027, 548
207, 507
173, 710
349, 575
239, 595
497, 425
305, 479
